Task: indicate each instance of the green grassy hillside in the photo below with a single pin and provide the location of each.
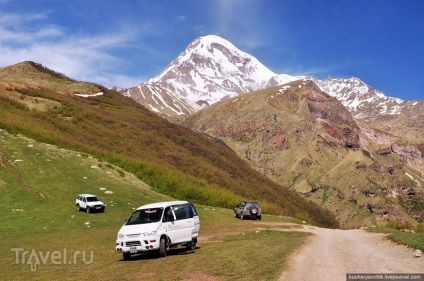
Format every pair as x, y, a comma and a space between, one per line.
39, 182
172, 159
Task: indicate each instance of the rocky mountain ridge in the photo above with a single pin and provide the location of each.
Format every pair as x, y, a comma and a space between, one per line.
211, 69
307, 140
401, 118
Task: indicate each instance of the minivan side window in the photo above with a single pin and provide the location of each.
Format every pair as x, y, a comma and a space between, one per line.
181, 212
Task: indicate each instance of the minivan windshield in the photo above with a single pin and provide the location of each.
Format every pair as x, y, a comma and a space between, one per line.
145, 216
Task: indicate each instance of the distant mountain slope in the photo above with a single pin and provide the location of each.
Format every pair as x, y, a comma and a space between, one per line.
401, 118
171, 158
211, 69
308, 141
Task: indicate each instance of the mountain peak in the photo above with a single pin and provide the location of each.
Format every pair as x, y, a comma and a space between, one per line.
214, 39
208, 70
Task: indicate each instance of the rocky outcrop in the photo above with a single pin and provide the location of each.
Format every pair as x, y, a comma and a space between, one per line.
407, 151
384, 151
411, 153
305, 139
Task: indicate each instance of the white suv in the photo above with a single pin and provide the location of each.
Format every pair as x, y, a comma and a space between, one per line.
158, 227
89, 203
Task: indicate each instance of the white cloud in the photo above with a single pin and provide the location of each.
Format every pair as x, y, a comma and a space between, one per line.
81, 57
9, 19
328, 69
119, 80
238, 21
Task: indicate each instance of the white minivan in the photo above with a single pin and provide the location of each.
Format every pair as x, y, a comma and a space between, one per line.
158, 227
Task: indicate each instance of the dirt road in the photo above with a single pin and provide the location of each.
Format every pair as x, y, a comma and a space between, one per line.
330, 254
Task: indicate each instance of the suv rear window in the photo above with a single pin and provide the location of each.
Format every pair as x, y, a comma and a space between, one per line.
252, 204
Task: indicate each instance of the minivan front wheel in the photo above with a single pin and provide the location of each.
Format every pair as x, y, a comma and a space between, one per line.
126, 256
88, 210
162, 247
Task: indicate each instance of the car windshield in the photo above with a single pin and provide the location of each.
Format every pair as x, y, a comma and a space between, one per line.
92, 199
145, 216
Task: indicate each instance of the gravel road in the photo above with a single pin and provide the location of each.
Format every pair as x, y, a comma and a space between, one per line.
331, 254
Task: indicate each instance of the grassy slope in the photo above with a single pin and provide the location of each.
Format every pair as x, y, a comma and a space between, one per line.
24, 73
173, 159
52, 224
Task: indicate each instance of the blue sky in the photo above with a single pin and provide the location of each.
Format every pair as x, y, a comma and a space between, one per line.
125, 42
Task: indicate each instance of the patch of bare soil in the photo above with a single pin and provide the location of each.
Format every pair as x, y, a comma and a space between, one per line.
259, 225
21, 178
331, 254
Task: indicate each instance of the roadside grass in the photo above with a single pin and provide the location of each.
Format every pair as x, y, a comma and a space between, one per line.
48, 226
410, 239
413, 240
381, 230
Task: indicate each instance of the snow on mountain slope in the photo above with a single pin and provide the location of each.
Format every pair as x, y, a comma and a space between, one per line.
208, 70
211, 69
362, 100
158, 99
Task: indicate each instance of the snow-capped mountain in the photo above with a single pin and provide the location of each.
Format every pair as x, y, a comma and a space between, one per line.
208, 70
211, 69
361, 99
398, 117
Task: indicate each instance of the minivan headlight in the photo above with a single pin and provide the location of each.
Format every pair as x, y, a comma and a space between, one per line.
121, 236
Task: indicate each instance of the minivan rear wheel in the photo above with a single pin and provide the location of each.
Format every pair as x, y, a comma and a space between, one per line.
191, 245
162, 247
88, 210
